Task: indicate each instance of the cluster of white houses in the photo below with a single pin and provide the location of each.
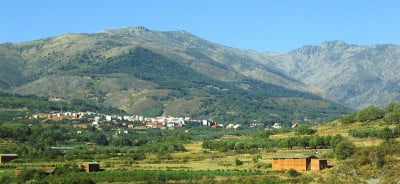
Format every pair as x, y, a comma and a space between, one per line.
96, 119
138, 121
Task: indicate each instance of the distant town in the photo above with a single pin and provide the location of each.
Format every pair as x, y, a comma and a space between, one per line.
138, 122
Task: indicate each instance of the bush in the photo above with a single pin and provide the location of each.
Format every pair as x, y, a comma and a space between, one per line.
138, 156
293, 173
238, 162
369, 114
386, 134
392, 107
348, 119
268, 166
67, 168
304, 130
335, 140
344, 149
256, 158
6, 179
389, 147
392, 117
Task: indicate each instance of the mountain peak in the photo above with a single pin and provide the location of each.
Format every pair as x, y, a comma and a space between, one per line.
128, 30
334, 43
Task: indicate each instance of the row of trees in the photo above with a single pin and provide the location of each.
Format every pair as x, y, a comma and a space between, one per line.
385, 133
36, 141
341, 146
390, 114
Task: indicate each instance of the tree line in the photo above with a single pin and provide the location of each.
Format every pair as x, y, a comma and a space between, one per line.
340, 145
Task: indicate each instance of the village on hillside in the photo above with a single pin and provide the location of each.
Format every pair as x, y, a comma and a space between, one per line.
138, 122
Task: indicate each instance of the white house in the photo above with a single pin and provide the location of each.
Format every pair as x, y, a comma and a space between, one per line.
95, 123
277, 126
236, 126
229, 126
108, 118
141, 118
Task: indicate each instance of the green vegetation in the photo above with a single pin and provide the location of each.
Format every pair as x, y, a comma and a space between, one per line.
153, 176
238, 162
255, 144
169, 155
294, 173
369, 114
385, 133
304, 130
344, 149
348, 119
389, 114
14, 106
368, 162
392, 117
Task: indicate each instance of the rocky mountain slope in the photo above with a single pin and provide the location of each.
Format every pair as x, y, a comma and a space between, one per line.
160, 73
354, 75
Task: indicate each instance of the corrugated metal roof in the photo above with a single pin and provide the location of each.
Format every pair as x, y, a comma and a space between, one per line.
282, 157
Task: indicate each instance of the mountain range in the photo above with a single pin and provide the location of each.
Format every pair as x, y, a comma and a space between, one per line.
179, 74
356, 76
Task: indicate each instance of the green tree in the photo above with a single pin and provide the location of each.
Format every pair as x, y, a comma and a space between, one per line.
348, 119
386, 134
303, 142
392, 117
335, 140
316, 141
304, 130
101, 139
344, 149
369, 114
122, 141
392, 107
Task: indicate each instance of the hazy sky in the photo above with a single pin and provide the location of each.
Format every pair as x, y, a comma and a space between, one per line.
262, 25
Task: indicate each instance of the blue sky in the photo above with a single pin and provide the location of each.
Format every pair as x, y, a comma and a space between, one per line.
263, 25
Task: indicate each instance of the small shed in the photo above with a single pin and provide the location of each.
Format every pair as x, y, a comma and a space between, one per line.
301, 163
90, 166
7, 157
318, 164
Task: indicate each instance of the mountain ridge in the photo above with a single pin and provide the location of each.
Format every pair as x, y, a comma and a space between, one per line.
229, 64
356, 76
160, 73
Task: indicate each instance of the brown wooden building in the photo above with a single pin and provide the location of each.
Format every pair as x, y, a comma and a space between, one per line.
7, 157
301, 163
90, 166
